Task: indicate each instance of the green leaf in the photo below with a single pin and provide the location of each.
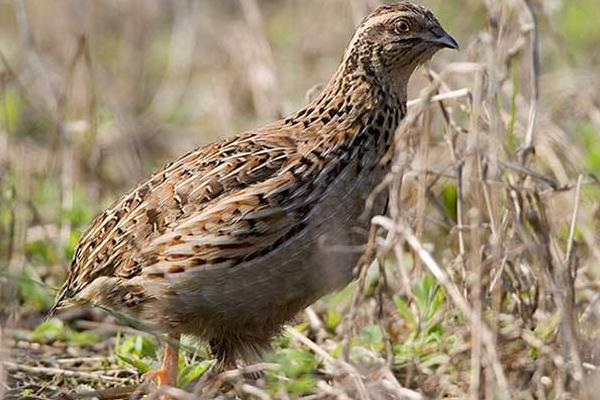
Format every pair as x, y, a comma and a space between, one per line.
370, 337
434, 331
449, 199
333, 319
138, 345
428, 297
193, 371
83, 338
295, 362
138, 351
140, 365
49, 331
11, 108
54, 329
295, 374
405, 311
590, 138
301, 385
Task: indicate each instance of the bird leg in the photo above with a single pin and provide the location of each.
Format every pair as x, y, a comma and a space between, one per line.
167, 374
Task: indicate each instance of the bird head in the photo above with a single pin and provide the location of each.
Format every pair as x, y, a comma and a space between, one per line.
394, 39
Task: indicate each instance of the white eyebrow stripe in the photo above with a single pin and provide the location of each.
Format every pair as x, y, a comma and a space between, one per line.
370, 22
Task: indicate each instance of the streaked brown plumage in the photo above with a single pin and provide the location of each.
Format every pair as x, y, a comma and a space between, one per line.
233, 239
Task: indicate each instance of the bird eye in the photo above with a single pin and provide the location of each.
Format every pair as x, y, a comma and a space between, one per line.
402, 26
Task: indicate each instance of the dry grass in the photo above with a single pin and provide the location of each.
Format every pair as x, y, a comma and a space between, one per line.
481, 282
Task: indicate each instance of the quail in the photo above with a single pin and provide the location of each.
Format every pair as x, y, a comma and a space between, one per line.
233, 239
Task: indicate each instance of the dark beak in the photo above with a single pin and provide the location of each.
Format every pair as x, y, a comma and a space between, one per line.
441, 38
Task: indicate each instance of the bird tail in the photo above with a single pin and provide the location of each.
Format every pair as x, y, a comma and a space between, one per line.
61, 301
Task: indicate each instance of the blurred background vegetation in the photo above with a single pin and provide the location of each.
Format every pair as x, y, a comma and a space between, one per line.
95, 95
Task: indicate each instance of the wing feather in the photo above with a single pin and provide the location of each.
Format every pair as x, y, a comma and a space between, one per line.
197, 187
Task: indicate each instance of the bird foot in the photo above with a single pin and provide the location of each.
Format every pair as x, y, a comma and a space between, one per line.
167, 374
163, 376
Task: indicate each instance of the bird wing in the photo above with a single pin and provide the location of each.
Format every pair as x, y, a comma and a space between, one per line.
219, 203
246, 224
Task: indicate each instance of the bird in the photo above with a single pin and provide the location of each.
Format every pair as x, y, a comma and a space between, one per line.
232, 240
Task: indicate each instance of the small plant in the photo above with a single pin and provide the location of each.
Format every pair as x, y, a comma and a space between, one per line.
139, 351
296, 372
54, 330
191, 370
426, 338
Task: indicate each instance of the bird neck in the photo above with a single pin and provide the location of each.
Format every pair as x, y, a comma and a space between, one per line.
362, 84
353, 104
364, 61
